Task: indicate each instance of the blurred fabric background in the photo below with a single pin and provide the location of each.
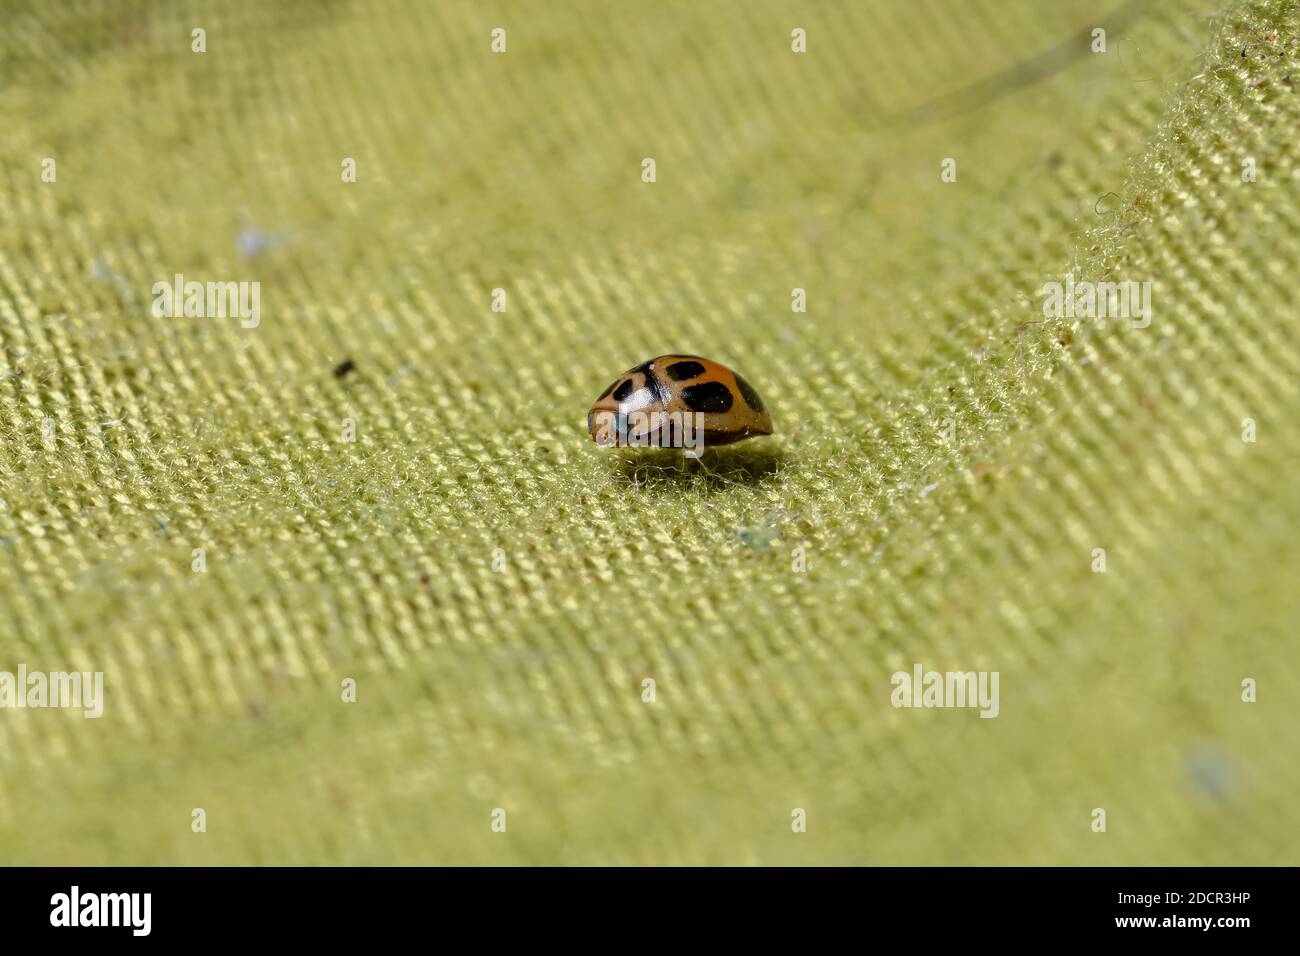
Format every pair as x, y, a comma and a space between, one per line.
946, 459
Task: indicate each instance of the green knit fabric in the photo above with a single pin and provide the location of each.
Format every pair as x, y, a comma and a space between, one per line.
947, 459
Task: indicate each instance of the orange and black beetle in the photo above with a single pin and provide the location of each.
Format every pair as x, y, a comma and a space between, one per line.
678, 401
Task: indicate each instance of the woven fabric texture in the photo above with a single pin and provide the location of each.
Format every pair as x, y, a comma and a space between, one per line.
436, 526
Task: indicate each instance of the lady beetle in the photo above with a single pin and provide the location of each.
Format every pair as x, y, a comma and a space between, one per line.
678, 401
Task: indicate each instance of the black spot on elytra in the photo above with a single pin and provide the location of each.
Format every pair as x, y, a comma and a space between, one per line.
624, 390
608, 390
680, 371
707, 397
749, 395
